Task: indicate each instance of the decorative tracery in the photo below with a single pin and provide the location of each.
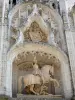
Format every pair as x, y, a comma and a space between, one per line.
30, 25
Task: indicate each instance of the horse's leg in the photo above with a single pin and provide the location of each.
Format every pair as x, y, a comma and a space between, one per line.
43, 87
54, 80
32, 89
57, 82
43, 90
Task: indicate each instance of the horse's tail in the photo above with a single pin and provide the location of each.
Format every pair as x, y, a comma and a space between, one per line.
20, 84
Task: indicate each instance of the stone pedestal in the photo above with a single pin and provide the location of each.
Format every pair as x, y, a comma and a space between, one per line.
40, 97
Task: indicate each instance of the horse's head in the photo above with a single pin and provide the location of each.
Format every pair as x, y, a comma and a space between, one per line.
48, 69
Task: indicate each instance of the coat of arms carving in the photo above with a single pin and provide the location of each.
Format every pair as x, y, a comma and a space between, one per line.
35, 34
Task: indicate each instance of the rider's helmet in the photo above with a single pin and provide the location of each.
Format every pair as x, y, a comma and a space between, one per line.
35, 65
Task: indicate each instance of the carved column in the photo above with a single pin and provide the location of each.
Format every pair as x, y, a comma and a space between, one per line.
71, 47
72, 62
4, 44
1, 91
74, 18
62, 4
69, 40
10, 4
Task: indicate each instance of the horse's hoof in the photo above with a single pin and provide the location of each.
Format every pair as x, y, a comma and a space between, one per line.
37, 94
50, 94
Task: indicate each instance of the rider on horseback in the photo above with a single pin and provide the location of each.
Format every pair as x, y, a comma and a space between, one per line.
37, 71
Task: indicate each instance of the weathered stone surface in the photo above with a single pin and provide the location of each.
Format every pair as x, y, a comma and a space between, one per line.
36, 98
47, 43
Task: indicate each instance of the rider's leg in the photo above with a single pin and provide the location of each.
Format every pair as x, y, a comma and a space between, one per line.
32, 89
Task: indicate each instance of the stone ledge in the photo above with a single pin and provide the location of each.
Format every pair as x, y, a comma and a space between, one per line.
2, 97
73, 98
39, 97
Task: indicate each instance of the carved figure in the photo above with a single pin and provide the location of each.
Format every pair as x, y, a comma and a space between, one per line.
35, 9
19, 39
51, 38
39, 77
36, 70
40, 36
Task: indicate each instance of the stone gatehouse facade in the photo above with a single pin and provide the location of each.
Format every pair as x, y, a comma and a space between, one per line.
41, 29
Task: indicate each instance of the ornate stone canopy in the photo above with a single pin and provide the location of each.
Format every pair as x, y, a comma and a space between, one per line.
38, 19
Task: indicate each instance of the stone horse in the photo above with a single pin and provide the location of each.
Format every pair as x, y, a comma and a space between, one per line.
31, 79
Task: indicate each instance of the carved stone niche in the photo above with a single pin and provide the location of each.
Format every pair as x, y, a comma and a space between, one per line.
23, 65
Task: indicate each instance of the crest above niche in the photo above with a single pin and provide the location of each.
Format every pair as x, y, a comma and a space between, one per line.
36, 29
34, 33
